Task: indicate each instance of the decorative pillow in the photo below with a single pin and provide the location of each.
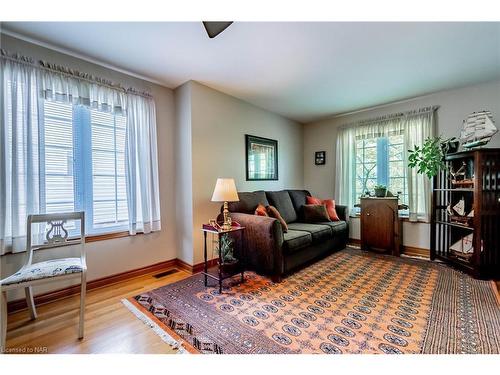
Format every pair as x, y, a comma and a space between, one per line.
261, 210
313, 200
273, 212
330, 206
315, 213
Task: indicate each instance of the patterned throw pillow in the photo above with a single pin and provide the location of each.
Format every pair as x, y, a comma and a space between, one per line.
273, 212
329, 204
315, 213
261, 210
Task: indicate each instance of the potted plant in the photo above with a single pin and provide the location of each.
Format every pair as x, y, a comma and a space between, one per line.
226, 252
380, 191
429, 159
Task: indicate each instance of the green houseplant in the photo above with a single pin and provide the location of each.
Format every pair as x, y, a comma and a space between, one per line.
429, 158
380, 191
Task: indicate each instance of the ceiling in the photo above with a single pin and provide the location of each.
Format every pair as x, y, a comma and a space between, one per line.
303, 71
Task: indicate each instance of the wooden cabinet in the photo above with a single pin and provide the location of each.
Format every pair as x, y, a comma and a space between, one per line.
381, 227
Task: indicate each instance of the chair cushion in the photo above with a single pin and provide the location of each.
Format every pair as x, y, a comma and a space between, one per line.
44, 270
248, 202
319, 232
295, 240
337, 226
281, 200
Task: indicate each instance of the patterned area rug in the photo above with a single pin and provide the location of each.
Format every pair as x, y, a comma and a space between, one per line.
350, 302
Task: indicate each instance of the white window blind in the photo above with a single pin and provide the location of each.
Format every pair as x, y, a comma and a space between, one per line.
83, 153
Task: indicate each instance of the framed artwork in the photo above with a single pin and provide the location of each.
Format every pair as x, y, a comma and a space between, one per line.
320, 157
261, 158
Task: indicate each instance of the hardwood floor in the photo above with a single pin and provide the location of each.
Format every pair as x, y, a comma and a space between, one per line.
109, 326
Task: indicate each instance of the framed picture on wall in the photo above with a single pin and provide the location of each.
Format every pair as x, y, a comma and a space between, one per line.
320, 157
261, 158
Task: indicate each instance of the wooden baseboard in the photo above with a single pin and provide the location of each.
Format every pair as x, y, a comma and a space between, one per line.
20, 304
407, 250
197, 268
416, 252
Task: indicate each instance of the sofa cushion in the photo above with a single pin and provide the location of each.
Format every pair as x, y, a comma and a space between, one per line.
319, 232
281, 200
248, 202
337, 226
294, 240
298, 198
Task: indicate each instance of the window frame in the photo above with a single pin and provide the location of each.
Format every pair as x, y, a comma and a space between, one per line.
82, 168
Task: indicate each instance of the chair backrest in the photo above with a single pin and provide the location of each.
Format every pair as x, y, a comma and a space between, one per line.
55, 233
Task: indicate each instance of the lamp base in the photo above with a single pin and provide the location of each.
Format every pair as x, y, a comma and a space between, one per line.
227, 224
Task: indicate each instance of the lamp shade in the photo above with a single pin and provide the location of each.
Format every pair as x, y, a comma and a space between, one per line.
225, 191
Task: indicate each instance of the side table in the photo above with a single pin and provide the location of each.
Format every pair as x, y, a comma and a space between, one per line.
223, 271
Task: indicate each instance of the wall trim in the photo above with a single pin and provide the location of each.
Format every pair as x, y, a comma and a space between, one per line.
407, 250
20, 304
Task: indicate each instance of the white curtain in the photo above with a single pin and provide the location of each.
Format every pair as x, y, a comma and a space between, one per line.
19, 155
345, 177
67, 85
415, 126
141, 160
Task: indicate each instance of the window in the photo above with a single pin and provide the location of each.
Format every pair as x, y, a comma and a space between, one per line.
83, 168
379, 161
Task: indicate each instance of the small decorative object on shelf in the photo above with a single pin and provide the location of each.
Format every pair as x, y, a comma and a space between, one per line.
222, 242
465, 223
478, 129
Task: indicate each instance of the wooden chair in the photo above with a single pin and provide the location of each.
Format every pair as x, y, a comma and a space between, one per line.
32, 274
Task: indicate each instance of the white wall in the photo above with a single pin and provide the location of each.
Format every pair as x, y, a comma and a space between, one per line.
118, 255
455, 105
219, 123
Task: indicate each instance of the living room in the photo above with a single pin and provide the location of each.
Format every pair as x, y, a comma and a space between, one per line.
211, 187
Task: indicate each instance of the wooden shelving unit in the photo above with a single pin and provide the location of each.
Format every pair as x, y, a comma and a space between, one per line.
482, 196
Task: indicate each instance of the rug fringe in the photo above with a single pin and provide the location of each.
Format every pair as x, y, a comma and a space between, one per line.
155, 327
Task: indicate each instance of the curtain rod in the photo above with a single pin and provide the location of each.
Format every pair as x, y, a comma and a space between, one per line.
71, 73
392, 116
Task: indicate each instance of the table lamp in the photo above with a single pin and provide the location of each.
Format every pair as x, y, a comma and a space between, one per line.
225, 191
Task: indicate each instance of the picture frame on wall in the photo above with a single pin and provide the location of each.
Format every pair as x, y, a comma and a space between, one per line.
320, 157
261, 158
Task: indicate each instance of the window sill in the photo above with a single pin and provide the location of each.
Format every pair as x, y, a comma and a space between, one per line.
92, 238
106, 236
404, 218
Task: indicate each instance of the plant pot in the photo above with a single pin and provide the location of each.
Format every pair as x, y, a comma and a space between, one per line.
450, 147
380, 193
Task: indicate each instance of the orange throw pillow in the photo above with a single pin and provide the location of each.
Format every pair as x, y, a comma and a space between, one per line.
273, 212
330, 206
313, 200
261, 210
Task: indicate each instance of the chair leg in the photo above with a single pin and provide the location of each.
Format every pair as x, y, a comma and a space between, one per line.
3, 321
83, 292
31, 302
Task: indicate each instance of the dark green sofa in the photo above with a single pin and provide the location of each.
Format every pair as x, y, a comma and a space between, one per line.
271, 252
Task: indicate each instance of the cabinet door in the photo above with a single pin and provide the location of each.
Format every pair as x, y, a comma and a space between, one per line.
378, 226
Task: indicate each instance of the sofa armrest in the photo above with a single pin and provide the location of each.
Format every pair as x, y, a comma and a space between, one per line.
264, 242
342, 212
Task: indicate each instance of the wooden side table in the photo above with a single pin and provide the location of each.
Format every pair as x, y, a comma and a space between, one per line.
223, 271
